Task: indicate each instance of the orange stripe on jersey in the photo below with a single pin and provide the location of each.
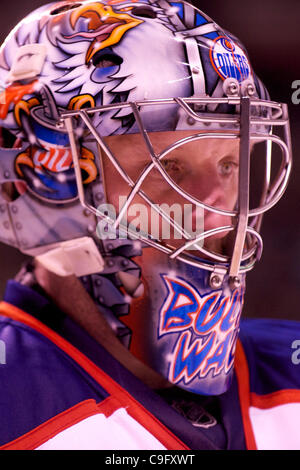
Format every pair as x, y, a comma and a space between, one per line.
135, 409
242, 374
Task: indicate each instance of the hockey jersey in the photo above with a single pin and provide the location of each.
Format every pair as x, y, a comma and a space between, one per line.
61, 390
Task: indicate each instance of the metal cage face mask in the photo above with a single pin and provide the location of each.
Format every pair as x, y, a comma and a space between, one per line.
248, 127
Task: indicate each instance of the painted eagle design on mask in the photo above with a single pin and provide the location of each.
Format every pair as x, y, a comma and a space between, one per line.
87, 64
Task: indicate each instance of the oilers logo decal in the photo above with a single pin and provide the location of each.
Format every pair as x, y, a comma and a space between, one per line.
206, 327
229, 60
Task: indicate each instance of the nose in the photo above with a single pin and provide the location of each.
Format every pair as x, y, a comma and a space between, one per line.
207, 188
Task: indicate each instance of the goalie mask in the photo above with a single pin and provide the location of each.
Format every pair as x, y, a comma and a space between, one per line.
137, 133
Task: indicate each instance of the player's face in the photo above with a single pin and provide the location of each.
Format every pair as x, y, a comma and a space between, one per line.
207, 169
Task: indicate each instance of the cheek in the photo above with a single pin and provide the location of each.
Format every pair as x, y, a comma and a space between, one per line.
231, 194
157, 188
115, 190
228, 189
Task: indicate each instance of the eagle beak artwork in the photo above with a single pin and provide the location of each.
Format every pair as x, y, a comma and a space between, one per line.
106, 26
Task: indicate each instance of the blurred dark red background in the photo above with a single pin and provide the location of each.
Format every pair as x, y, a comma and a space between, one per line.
270, 30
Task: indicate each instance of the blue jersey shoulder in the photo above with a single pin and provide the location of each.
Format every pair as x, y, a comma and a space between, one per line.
271, 346
38, 380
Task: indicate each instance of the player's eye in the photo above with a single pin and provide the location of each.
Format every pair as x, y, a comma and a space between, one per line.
227, 168
171, 165
174, 168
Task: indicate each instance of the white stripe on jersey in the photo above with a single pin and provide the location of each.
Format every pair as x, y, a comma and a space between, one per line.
118, 431
276, 428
